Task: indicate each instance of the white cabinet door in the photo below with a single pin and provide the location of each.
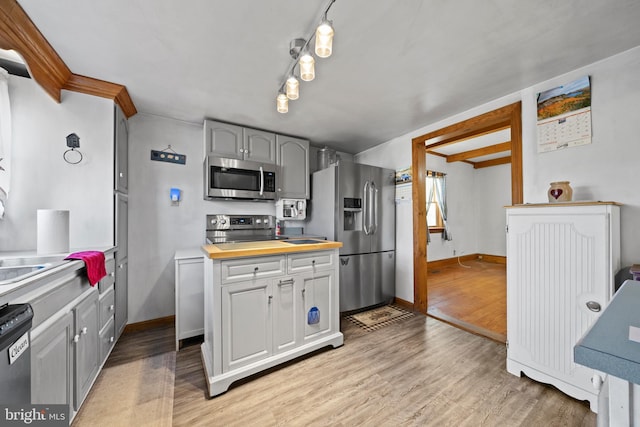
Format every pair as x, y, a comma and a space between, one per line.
189, 298
558, 265
293, 159
285, 313
318, 303
246, 323
259, 146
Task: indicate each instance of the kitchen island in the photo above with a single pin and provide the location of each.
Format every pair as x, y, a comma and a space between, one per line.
266, 303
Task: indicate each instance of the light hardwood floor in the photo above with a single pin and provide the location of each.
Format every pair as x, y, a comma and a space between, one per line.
417, 372
474, 298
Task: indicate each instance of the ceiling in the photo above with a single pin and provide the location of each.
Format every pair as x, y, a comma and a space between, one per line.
396, 66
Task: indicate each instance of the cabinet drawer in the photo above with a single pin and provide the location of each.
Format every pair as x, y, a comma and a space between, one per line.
107, 339
107, 307
307, 261
109, 279
252, 268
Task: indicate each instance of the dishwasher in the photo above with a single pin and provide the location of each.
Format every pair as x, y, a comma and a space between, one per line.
15, 345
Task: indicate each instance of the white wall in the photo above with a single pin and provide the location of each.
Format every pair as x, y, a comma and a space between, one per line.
41, 179
492, 188
607, 169
156, 228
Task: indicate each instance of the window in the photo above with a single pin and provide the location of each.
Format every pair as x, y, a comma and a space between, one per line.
434, 215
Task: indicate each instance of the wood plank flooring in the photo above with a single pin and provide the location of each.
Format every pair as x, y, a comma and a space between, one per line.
473, 298
417, 372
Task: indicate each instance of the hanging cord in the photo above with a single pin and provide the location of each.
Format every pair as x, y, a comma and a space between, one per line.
461, 264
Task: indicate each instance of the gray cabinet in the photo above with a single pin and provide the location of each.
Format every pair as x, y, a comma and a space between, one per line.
52, 362
246, 316
121, 259
121, 132
121, 296
86, 351
107, 328
122, 226
257, 312
189, 294
293, 159
237, 142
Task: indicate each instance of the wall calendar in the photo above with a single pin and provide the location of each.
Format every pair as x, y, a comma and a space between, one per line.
564, 116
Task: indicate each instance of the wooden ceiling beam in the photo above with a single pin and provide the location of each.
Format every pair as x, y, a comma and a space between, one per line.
465, 134
19, 33
489, 122
479, 152
492, 162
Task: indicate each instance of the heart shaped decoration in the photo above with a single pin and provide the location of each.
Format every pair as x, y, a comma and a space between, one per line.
556, 192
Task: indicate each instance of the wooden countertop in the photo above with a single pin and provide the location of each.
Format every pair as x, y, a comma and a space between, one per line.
266, 247
557, 204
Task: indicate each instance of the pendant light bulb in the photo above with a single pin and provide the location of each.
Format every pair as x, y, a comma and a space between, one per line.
324, 39
293, 88
282, 103
307, 66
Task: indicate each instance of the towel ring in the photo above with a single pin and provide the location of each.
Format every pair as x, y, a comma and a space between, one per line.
66, 156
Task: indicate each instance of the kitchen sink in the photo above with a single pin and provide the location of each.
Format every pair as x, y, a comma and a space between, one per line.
13, 270
303, 241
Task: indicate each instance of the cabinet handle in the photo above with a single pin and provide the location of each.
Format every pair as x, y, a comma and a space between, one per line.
597, 381
121, 175
76, 338
255, 270
112, 274
593, 306
84, 331
111, 339
285, 282
270, 298
313, 262
121, 266
303, 293
111, 307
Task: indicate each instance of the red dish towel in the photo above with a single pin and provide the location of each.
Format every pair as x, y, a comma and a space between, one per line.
94, 260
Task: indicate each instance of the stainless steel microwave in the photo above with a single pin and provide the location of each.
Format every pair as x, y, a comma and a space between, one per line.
239, 179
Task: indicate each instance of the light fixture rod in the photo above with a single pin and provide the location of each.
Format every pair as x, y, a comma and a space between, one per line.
294, 61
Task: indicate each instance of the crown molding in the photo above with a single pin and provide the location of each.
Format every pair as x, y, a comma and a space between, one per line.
19, 33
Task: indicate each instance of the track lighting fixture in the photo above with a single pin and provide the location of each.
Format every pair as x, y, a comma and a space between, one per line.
304, 60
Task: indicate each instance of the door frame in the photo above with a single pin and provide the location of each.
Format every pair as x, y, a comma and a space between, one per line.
509, 116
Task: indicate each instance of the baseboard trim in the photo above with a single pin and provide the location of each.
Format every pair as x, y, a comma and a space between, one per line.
437, 314
440, 263
149, 324
496, 259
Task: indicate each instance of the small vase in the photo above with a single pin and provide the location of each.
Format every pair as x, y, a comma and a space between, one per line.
560, 191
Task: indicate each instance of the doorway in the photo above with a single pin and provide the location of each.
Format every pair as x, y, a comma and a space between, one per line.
506, 118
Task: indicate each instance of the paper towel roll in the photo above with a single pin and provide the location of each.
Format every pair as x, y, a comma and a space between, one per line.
53, 231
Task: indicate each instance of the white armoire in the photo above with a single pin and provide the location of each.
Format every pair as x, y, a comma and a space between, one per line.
561, 262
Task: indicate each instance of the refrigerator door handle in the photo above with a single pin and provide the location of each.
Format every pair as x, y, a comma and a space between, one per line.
374, 210
366, 224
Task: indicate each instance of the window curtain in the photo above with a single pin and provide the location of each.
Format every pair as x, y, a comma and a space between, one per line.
441, 198
5, 140
430, 188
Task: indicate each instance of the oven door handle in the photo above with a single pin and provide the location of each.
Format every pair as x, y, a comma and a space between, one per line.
261, 181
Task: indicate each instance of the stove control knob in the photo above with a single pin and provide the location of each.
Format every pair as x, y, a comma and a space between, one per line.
258, 221
223, 221
214, 221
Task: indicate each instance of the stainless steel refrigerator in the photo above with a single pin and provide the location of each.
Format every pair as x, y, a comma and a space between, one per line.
354, 204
